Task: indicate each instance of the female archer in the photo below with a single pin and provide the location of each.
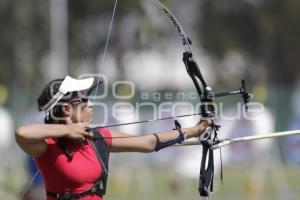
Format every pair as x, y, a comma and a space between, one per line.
72, 158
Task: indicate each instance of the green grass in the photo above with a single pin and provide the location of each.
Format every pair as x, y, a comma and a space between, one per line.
240, 182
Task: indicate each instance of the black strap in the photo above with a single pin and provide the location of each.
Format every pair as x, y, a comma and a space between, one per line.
207, 162
178, 128
73, 196
206, 171
102, 150
160, 145
104, 168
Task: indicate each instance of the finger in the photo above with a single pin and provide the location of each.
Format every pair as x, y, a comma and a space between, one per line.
83, 124
88, 134
210, 122
91, 134
86, 128
77, 137
82, 138
206, 122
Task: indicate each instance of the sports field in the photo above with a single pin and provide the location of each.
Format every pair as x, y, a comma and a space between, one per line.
238, 183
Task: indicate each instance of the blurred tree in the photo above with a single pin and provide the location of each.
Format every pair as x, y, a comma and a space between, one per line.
23, 40
89, 23
88, 28
267, 32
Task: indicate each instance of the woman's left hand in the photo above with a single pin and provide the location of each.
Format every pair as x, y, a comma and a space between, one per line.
201, 127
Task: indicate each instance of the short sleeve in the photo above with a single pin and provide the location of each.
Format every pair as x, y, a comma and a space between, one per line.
50, 144
107, 135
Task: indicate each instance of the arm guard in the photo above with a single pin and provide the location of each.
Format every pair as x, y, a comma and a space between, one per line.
161, 145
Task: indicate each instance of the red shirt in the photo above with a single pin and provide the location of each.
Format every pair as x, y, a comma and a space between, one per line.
76, 176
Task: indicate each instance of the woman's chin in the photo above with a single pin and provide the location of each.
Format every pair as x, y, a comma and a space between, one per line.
90, 120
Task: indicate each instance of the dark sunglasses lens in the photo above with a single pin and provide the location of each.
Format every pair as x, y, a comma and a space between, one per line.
85, 99
79, 100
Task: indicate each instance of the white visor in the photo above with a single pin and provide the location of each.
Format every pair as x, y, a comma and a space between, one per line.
69, 84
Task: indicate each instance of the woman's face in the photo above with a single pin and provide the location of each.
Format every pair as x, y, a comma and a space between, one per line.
82, 110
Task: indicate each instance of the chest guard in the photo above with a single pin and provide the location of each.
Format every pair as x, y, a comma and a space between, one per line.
102, 151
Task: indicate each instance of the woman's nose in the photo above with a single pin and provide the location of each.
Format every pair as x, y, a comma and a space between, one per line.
90, 104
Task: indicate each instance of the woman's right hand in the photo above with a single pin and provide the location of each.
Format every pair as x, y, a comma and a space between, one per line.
77, 131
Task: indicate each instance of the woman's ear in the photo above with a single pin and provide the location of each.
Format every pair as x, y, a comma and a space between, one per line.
66, 109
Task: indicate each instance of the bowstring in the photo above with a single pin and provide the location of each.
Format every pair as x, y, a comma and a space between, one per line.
105, 48
121, 137
28, 185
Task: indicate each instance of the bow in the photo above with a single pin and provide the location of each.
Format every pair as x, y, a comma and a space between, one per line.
206, 98
207, 108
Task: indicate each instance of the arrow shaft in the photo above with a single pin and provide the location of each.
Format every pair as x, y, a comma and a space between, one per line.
227, 142
255, 137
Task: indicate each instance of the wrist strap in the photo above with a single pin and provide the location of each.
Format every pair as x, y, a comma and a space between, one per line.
160, 145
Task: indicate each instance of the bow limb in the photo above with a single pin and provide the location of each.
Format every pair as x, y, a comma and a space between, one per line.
182, 35
191, 64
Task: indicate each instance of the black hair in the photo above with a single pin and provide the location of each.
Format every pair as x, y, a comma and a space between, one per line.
46, 95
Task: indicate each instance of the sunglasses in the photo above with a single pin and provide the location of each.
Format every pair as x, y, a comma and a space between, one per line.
79, 100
